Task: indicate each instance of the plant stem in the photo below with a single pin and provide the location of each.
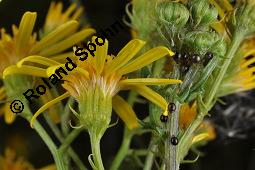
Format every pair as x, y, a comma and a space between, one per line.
95, 147
69, 139
60, 164
123, 151
182, 148
150, 157
236, 41
66, 142
172, 162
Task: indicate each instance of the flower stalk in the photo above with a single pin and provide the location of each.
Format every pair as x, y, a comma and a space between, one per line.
171, 159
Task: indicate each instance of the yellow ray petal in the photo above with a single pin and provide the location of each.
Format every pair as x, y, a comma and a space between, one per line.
47, 105
227, 5
25, 30
68, 12
145, 59
2, 91
58, 34
126, 54
27, 70
219, 9
67, 43
9, 116
62, 57
101, 53
82, 71
248, 51
246, 63
38, 59
151, 95
248, 71
77, 13
125, 112
49, 167
51, 70
149, 81
249, 86
199, 137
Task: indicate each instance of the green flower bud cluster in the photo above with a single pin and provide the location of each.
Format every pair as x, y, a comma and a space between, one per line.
243, 19
202, 13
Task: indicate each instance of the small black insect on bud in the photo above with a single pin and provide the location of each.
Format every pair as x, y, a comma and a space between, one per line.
195, 58
185, 59
171, 107
207, 58
174, 140
184, 69
163, 118
177, 57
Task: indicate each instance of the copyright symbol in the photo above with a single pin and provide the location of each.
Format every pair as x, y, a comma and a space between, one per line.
16, 106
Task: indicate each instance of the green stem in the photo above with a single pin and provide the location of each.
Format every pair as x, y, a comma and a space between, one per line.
183, 145
150, 157
237, 39
66, 142
45, 137
69, 139
123, 151
95, 147
65, 116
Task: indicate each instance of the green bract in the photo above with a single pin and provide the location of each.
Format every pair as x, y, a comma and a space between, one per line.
243, 19
202, 13
201, 42
173, 14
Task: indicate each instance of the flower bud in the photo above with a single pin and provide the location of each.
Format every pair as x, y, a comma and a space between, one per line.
202, 42
173, 14
202, 13
243, 19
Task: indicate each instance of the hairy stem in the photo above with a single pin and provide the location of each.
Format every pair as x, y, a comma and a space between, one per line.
123, 151
172, 162
95, 147
150, 157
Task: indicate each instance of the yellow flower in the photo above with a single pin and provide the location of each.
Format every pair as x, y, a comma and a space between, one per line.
187, 115
23, 43
9, 117
224, 9
98, 79
11, 162
205, 131
241, 76
56, 16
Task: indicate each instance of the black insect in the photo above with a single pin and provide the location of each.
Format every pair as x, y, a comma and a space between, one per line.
184, 69
163, 118
207, 58
171, 107
177, 57
174, 140
195, 58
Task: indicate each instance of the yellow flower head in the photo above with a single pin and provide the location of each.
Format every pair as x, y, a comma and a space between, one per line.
56, 16
10, 162
23, 43
242, 77
205, 132
96, 80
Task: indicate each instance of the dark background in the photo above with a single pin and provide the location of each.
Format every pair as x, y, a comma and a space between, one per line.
224, 153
